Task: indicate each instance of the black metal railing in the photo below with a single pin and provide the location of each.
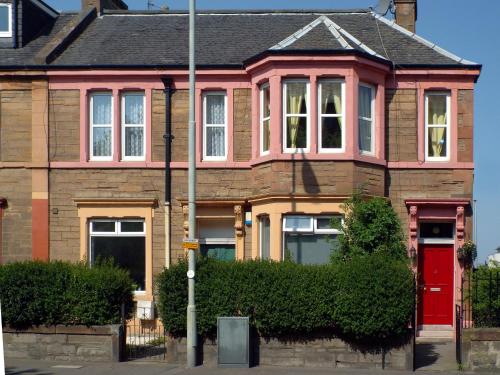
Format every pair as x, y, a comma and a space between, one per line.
481, 298
458, 333
145, 340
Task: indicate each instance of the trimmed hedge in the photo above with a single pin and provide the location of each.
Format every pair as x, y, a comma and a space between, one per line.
367, 298
37, 293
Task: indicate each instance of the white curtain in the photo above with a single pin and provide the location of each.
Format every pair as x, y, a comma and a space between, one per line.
365, 111
215, 116
134, 115
101, 115
296, 93
437, 116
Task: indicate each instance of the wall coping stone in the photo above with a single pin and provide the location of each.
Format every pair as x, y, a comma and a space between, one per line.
481, 334
105, 330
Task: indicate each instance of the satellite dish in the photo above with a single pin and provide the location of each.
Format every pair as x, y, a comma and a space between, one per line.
384, 6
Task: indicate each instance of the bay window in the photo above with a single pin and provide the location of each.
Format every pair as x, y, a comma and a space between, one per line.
124, 243
309, 239
101, 126
215, 126
264, 237
296, 115
437, 126
265, 119
133, 126
366, 121
331, 115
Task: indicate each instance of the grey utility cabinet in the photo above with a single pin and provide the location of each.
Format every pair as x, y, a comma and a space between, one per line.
233, 342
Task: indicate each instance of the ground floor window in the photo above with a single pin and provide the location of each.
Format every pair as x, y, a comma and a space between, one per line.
309, 239
265, 237
217, 238
123, 242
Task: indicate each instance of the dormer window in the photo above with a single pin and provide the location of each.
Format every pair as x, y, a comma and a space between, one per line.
5, 20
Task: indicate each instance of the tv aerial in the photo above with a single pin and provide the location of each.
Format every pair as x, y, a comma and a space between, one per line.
384, 6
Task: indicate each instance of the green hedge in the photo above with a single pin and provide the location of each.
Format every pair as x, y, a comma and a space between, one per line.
367, 298
486, 296
36, 293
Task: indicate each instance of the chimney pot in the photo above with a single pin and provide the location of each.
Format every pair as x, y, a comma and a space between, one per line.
406, 13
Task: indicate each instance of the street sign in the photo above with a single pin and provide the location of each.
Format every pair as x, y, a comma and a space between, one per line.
191, 244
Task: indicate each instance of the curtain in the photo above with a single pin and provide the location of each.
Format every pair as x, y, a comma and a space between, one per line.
365, 112
296, 105
134, 115
215, 115
102, 141
438, 141
134, 141
331, 127
437, 116
134, 109
101, 109
101, 115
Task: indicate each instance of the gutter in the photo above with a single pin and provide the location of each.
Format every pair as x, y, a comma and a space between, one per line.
15, 21
168, 90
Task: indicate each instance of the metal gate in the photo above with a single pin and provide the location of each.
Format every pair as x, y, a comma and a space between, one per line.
145, 340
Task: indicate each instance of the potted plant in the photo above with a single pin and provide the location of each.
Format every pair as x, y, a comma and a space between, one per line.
467, 252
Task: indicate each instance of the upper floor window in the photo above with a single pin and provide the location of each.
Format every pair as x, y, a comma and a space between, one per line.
331, 115
265, 119
296, 115
437, 126
366, 122
133, 126
101, 126
5, 20
215, 126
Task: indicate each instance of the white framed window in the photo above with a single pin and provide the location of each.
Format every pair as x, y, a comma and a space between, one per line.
264, 237
265, 119
437, 126
5, 20
101, 126
366, 119
296, 115
133, 126
215, 125
123, 242
331, 110
309, 239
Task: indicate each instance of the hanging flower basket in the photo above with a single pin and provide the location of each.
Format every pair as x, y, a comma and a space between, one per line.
467, 253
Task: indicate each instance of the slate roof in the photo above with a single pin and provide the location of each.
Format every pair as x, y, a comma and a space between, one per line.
233, 39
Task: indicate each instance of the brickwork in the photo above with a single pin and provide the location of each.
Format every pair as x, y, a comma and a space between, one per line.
158, 125
15, 125
15, 187
465, 125
316, 177
67, 185
180, 116
401, 115
64, 120
242, 124
405, 184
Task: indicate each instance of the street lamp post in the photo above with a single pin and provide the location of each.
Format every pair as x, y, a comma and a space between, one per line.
191, 308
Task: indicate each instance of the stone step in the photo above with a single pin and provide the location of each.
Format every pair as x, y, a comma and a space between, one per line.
437, 334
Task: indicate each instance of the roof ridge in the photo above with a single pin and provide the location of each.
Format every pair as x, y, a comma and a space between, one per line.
423, 41
318, 12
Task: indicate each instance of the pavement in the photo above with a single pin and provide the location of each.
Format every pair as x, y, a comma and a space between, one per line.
31, 367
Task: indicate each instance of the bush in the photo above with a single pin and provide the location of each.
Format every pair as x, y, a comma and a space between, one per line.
486, 297
36, 293
371, 226
284, 298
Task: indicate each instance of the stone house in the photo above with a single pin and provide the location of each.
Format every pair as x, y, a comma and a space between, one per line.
295, 111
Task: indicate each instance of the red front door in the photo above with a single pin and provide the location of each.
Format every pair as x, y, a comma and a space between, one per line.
435, 293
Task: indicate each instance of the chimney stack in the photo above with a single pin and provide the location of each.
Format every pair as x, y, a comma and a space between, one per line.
103, 4
406, 13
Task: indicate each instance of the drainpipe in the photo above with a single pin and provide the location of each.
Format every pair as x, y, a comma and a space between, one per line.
15, 24
167, 83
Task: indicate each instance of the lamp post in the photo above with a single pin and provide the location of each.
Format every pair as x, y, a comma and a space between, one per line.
191, 308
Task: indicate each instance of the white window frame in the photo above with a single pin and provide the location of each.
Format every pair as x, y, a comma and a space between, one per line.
118, 233
92, 126
263, 119
124, 126
260, 218
205, 125
307, 116
372, 119
322, 149
8, 33
447, 126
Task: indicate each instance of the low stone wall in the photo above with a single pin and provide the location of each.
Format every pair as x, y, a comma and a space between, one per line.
481, 349
62, 343
327, 353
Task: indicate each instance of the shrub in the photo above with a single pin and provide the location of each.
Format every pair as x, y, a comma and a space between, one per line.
486, 297
284, 298
36, 293
371, 226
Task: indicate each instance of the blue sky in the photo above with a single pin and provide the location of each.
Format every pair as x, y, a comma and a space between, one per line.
466, 28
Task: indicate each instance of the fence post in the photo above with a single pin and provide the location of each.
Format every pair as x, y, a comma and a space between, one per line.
2, 361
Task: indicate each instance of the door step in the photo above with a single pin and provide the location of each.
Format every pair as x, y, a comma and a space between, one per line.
435, 334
